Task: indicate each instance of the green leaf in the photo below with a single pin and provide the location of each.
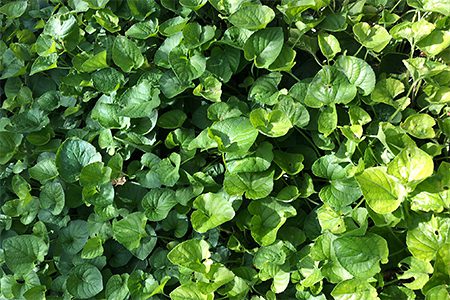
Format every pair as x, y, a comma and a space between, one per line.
431, 5
329, 45
195, 35
52, 197
74, 236
425, 240
233, 134
328, 120
354, 288
23, 252
358, 72
386, 90
255, 161
72, 156
130, 230
139, 100
44, 170
9, 143
329, 86
60, 25
126, 54
158, 202
14, 9
361, 256
412, 166
382, 192
172, 119
186, 68
254, 185
191, 254
117, 288
417, 271
93, 248
373, 37
252, 16
140, 9
94, 63
84, 281
190, 291
291, 163
143, 30
264, 46
420, 126
193, 4
268, 217
44, 63
107, 80
273, 123
212, 210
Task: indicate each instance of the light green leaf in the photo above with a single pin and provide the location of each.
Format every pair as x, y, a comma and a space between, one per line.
255, 161
191, 254
285, 60
193, 4
190, 291
268, 217
254, 185
195, 35
22, 252
383, 193
420, 126
431, 5
417, 270
84, 281
373, 37
233, 134
361, 256
72, 156
329, 86
354, 289
44, 63
126, 54
130, 230
143, 30
213, 209
425, 240
93, 248
412, 31
358, 72
14, 9
94, 63
291, 163
328, 119
264, 46
412, 166
60, 26
252, 16
435, 43
273, 123
329, 45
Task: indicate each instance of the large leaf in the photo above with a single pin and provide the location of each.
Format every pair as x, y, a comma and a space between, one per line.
264, 46
329, 86
72, 156
191, 254
252, 17
212, 211
126, 54
382, 192
23, 252
84, 281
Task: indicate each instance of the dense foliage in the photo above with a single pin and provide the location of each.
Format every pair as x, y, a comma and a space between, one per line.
225, 149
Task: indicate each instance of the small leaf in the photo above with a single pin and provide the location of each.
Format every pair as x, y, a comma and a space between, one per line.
420, 126
84, 281
329, 45
264, 46
374, 37
126, 54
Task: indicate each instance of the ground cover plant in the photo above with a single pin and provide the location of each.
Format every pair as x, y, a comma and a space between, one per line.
224, 149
